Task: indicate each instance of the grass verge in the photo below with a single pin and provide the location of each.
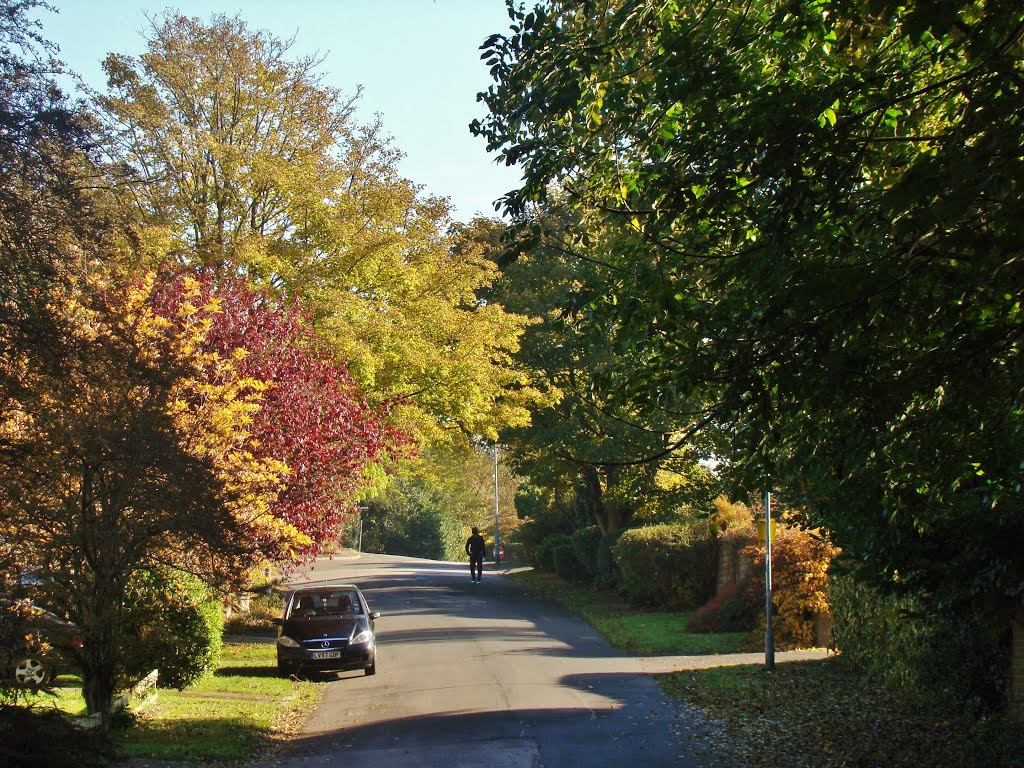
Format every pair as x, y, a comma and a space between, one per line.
239, 711
821, 714
644, 633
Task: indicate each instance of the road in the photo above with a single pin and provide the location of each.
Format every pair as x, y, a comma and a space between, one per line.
482, 675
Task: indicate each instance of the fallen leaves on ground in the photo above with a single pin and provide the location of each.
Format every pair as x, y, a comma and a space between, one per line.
822, 714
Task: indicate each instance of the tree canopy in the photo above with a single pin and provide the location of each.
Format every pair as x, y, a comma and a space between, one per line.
821, 237
236, 152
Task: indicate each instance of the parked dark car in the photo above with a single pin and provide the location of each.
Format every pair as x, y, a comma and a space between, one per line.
327, 628
36, 645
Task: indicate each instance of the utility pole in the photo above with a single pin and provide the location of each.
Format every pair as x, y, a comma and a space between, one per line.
497, 537
769, 636
359, 545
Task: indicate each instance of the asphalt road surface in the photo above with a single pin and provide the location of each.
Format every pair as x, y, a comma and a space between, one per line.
482, 675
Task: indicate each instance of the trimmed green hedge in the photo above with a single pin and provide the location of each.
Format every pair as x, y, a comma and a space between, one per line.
544, 553
671, 566
908, 642
586, 542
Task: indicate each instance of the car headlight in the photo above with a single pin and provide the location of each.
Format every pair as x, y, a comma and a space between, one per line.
363, 636
287, 642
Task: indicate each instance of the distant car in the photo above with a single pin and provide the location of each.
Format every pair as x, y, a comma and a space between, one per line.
327, 629
36, 645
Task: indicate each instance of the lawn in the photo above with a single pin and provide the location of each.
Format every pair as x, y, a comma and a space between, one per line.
636, 631
242, 708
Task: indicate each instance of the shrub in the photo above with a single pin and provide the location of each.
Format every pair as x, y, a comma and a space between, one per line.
175, 625
543, 553
800, 561
608, 574
671, 566
566, 564
730, 611
586, 543
908, 642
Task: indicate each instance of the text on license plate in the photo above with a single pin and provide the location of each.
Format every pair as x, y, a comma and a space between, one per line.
326, 655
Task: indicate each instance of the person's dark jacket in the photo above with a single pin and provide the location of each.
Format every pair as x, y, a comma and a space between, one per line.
476, 546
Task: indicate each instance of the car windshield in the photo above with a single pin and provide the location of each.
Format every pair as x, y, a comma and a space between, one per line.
341, 602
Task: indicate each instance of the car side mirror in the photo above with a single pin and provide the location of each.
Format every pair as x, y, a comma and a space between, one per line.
277, 620
374, 615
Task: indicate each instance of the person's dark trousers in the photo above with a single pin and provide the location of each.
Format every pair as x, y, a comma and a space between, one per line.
476, 566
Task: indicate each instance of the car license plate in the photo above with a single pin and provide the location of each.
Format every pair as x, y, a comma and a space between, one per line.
317, 655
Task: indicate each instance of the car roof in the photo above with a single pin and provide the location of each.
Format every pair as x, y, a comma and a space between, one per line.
322, 587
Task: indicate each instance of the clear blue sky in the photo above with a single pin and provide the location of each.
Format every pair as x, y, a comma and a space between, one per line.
417, 60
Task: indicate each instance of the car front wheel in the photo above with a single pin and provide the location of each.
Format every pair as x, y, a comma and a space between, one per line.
31, 671
372, 669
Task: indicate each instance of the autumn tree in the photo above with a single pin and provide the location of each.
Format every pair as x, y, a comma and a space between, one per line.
136, 458
823, 200
312, 416
119, 451
242, 155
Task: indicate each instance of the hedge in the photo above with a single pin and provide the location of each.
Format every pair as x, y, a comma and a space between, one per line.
586, 544
543, 553
668, 565
908, 641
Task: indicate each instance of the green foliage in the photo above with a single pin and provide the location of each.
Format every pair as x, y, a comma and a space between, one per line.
666, 565
544, 553
566, 561
802, 219
907, 642
608, 575
412, 520
586, 542
174, 625
577, 446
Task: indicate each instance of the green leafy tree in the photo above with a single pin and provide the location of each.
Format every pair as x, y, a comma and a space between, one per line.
619, 463
822, 201
435, 500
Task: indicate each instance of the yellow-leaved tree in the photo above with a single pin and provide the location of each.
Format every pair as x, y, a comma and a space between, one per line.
242, 156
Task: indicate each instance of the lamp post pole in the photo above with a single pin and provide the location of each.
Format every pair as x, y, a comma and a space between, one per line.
497, 538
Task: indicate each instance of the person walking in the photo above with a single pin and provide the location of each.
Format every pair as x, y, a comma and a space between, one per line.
475, 547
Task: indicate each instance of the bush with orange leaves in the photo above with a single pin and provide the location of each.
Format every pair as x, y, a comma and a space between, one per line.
800, 561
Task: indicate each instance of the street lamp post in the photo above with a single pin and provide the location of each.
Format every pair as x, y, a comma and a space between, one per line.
497, 536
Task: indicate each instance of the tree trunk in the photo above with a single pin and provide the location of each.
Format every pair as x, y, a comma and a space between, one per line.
98, 690
595, 496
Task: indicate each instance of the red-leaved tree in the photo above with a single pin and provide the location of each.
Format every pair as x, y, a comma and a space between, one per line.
314, 417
